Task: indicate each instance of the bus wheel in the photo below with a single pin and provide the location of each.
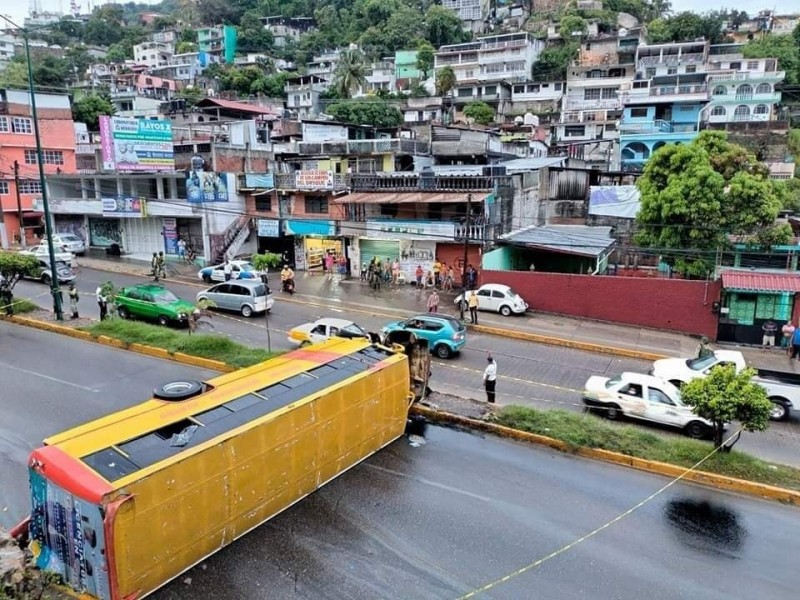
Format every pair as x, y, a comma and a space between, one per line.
178, 390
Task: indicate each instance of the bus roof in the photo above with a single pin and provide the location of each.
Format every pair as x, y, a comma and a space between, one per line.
129, 441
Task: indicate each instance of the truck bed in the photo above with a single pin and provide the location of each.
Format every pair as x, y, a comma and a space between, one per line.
783, 377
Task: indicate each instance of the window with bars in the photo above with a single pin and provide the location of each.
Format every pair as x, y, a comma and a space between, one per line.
609, 93
3, 188
21, 125
591, 94
316, 205
264, 203
30, 186
49, 157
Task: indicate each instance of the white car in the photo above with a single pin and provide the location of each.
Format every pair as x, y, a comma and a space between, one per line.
240, 269
324, 329
496, 297
71, 242
646, 398
680, 370
42, 251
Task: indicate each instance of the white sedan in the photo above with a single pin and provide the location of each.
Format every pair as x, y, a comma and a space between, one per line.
240, 269
643, 397
43, 252
324, 329
496, 297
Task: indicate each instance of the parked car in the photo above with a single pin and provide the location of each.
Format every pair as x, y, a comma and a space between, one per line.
783, 387
446, 336
71, 242
324, 329
245, 296
42, 251
496, 297
152, 302
646, 398
64, 272
240, 269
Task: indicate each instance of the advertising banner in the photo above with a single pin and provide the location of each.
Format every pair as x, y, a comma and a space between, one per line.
408, 230
207, 186
136, 144
261, 181
414, 253
170, 230
124, 207
268, 227
314, 179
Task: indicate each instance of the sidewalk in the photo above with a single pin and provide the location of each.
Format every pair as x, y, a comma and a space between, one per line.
406, 300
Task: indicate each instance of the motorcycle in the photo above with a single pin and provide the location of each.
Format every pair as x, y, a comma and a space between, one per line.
288, 286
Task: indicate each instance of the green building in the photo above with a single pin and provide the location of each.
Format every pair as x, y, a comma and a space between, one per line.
405, 67
219, 41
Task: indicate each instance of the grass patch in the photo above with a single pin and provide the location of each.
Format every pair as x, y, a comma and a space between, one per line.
204, 345
23, 305
591, 432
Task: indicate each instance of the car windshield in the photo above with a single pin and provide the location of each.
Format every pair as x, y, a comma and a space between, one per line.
613, 382
699, 364
165, 297
353, 330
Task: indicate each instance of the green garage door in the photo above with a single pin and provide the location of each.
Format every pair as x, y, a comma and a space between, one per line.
383, 249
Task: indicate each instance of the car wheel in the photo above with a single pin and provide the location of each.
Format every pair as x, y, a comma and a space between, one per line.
779, 412
247, 311
163, 320
305, 344
203, 303
46, 279
178, 390
207, 278
443, 351
123, 312
613, 412
696, 430
505, 311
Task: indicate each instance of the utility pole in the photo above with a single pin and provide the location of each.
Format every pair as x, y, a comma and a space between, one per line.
22, 239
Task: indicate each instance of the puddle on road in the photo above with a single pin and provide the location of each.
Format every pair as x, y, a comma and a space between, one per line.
706, 526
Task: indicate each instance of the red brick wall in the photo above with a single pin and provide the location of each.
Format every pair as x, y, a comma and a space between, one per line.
671, 304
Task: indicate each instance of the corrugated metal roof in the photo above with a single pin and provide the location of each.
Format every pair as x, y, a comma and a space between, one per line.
568, 239
401, 198
748, 281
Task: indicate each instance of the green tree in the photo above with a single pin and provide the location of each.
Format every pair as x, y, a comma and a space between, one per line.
252, 37
425, 57
117, 54
725, 396
350, 73
782, 47
102, 32
192, 94
553, 62
14, 76
89, 109
572, 26
686, 26
443, 27
480, 112
694, 196
14, 266
272, 86
185, 47
374, 112
265, 261
445, 80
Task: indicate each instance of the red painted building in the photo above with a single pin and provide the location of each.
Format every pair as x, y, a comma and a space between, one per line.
20, 203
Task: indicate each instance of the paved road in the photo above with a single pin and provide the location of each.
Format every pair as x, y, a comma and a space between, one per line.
433, 521
530, 374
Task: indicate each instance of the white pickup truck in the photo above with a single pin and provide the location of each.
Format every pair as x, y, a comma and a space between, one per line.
783, 387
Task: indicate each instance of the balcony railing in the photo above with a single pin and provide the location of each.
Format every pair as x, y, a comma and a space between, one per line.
672, 59
86, 148
657, 126
289, 181
412, 182
746, 76
350, 147
606, 104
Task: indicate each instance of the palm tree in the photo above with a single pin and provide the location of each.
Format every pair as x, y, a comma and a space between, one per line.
350, 73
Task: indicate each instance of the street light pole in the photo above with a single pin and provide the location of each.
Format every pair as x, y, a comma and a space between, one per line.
54, 286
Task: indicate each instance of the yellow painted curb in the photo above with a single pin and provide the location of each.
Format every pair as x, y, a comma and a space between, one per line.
205, 363
553, 341
149, 350
741, 486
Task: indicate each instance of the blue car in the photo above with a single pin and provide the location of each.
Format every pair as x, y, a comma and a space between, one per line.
446, 335
240, 269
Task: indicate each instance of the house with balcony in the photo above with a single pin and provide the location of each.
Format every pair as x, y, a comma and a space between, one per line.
287, 29
418, 111
153, 54
473, 13
536, 97
506, 57
461, 145
380, 76
496, 94
664, 102
303, 93
405, 69
218, 41
323, 65
185, 67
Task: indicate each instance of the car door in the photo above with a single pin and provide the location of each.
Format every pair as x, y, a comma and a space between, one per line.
417, 327
149, 308
217, 274
498, 299
319, 333
219, 296
661, 409
631, 399
239, 295
484, 299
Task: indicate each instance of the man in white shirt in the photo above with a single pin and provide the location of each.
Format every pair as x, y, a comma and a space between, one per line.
490, 379
227, 269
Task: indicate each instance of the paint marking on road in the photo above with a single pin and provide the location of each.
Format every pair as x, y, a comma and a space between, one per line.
48, 377
440, 486
510, 378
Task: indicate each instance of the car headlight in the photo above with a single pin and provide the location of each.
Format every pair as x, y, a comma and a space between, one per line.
183, 316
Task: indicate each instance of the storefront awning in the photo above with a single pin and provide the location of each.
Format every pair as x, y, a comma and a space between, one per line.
403, 198
775, 283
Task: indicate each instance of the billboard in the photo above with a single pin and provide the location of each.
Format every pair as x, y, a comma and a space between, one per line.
208, 186
314, 179
136, 144
122, 206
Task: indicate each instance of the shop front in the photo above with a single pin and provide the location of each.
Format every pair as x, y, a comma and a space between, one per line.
750, 299
74, 224
312, 240
453, 255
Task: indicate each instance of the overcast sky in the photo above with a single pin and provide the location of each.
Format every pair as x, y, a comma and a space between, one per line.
18, 9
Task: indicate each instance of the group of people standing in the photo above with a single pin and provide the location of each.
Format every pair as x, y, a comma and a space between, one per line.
332, 264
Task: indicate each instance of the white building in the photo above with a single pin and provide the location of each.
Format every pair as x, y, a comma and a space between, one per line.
323, 65
285, 29
380, 76
537, 97
473, 13
302, 94
153, 54
507, 57
6, 49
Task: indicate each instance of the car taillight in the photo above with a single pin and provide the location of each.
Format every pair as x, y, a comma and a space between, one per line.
458, 336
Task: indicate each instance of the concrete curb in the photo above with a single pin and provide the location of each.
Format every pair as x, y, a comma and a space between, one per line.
491, 330
741, 486
179, 357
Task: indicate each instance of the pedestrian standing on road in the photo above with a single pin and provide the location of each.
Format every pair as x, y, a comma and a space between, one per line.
162, 265
181, 248
418, 275
363, 271
433, 302
102, 302
227, 270
395, 270
73, 300
329, 264
786, 340
490, 379
437, 271
769, 329
473, 307
154, 266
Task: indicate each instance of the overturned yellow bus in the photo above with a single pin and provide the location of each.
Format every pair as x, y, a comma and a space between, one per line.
123, 504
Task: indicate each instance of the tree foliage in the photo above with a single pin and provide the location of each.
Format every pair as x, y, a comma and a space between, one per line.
725, 396
89, 109
783, 47
696, 197
252, 37
425, 58
480, 112
374, 112
554, 61
14, 266
572, 26
350, 74
445, 80
687, 26
443, 27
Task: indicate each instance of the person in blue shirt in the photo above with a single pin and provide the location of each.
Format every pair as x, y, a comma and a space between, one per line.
796, 343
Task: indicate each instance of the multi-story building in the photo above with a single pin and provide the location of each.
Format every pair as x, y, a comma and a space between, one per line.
302, 94
537, 97
496, 94
285, 29
405, 68
473, 13
186, 67
153, 54
323, 65
380, 76
664, 103
21, 204
219, 41
6, 49
506, 57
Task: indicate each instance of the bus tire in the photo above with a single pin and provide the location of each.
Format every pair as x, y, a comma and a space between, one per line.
178, 390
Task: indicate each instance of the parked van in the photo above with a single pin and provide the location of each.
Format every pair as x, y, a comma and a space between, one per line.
245, 296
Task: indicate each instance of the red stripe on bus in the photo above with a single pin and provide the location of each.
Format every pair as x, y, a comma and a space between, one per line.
69, 473
318, 356
111, 555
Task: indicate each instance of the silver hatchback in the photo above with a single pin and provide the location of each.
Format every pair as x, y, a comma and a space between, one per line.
243, 296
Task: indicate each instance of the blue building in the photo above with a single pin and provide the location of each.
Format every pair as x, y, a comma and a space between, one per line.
664, 102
